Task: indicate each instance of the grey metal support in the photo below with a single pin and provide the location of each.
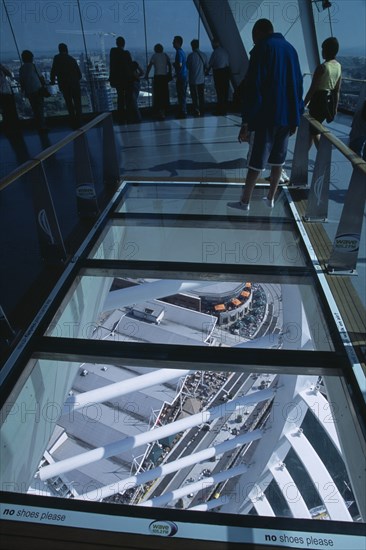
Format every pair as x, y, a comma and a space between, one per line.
222, 21
111, 169
85, 189
317, 207
49, 234
309, 32
344, 255
300, 163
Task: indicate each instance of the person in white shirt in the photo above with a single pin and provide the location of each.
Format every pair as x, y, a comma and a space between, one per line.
219, 63
32, 82
162, 76
197, 65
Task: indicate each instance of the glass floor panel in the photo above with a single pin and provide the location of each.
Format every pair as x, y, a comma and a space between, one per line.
228, 442
155, 382
218, 313
161, 222
195, 241
198, 199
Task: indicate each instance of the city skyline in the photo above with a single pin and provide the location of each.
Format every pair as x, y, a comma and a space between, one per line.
41, 25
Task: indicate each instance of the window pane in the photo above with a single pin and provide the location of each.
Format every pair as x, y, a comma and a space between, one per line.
189, 27
39, 27
346, 21
221, 312
224, 441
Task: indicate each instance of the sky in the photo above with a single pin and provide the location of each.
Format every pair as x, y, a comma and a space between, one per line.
40, 25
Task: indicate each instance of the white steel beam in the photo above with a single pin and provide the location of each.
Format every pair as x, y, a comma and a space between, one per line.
211, 504
113, 449
290, 491
136, 383
323, 481
322, 410
195, 487
262, 505
351, 438
170, 467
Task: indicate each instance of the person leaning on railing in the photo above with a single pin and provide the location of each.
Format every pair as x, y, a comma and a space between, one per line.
323, 95
32, 83
162, 76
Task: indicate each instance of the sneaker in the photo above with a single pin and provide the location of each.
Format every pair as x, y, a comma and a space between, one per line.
269, 202
239, 205
283, 179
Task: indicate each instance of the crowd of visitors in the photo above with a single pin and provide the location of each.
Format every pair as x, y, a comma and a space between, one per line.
270, 94
125, 76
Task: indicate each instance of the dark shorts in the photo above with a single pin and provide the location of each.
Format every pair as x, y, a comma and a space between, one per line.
322, 107
268, 146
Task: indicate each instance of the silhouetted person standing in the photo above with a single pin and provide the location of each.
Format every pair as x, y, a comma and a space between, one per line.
272, 107
162, 75
197, 65
32, 82
121, 77
68, 74
180, 66
219, 62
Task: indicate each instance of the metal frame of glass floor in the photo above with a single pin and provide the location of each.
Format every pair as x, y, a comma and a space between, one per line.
189, 377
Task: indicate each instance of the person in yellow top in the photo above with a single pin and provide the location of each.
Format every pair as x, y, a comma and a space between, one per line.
323, 95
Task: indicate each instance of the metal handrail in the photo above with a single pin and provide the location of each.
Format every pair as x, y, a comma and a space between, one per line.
362, 80
345, 250
346, 151
18, 173
46, 153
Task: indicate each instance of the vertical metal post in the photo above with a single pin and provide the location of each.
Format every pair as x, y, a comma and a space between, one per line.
111, 170
310, 35
343, 258
299, 172
49, 234
87, 203
317, 207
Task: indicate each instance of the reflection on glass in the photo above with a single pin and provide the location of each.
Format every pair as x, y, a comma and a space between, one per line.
262, 237
221, 441
173, 242
193, 199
